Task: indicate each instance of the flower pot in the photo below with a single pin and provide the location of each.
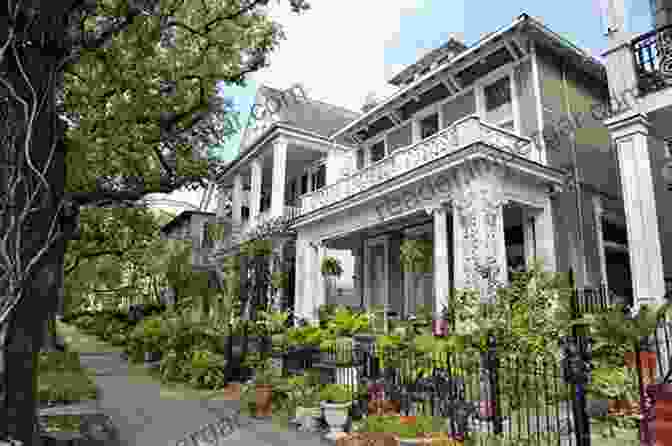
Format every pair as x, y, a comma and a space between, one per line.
263, 400
384, 407
410, 419
232, 392
368, 439
647, 360
440, 327
308, 418
336, 415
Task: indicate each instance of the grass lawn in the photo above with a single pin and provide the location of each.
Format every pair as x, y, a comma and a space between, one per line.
137, 373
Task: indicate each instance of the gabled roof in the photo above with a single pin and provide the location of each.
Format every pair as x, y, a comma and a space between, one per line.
317, 117
437, 57
311, 114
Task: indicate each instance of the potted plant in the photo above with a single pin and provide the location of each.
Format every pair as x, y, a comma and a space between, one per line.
331, 269
335, 400
263, 380
409, 432
306, 398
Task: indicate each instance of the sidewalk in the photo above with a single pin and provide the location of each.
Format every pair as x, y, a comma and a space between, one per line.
149, 413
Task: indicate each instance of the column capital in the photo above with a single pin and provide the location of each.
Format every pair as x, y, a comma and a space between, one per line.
627, 125
433, 208
280, 141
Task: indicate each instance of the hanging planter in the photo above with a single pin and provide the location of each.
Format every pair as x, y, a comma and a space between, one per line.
331, 266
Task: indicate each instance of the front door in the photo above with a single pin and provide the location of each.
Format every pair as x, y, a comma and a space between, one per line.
376, 271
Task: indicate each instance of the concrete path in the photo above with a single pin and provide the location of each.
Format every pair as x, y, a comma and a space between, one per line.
145, 417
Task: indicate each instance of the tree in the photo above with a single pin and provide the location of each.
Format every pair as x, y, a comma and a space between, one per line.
118, 254
134, 82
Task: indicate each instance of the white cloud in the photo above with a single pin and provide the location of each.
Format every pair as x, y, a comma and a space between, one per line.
336, 49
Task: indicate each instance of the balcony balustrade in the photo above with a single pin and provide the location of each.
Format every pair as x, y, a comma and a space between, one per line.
462, 133
652, 52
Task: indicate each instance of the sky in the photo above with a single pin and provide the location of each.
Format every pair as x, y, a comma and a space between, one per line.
340, 51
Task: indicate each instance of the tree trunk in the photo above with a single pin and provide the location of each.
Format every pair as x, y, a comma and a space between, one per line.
30, 70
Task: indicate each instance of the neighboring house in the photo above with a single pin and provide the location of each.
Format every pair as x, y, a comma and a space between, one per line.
192, 226
453, 157
640, 76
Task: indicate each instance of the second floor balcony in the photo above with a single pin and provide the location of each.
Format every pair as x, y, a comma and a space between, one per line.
652, 54
461, 134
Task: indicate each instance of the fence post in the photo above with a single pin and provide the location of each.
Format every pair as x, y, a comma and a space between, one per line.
492, 366
576, 370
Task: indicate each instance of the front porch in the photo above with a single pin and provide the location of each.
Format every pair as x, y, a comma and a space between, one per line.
482, 217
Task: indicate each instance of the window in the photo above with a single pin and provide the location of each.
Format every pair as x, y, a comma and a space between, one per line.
668, 148
319, 177
497, 94
360, 159
292, 190
304, 184
245, 212
378, 151
429, 126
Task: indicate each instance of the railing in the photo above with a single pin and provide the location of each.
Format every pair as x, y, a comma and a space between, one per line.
462, 133
653, 59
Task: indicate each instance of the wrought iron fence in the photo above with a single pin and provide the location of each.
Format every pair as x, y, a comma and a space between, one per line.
520, 400
653, 59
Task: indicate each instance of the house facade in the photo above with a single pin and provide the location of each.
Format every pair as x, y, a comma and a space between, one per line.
471, 155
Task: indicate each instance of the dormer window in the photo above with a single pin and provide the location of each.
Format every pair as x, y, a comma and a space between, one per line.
429, 125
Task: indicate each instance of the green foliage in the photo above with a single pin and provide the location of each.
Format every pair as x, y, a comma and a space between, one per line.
304, 391
331, 266
417, 255
61, 379
263, 372
308, 335
344, 322
336, 393
393, 424
207, 370
619, 328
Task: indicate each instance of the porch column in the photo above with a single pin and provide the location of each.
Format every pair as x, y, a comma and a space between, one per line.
279, 169
237, 199
255, 195
630, 135
441, 266
544, 229
305, 279
357, 277
278, 251
479, 232
529, 236
320, 288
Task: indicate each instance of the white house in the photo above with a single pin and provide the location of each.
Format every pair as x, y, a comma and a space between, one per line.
454, 157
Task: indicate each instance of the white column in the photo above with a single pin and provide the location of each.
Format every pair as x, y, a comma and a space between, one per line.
255, 195
631, 138
357, 277
529, 235
544, 229
598, 212
237, 199
441, 276
279, 177
320, 289
458, 249
515, 103
301, 288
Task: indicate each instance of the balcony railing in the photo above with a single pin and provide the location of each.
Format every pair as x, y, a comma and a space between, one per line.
653, 59
462, 133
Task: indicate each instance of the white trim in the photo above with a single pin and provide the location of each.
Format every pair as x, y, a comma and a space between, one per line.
451, 98
536, 86
515, 103
598, 214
